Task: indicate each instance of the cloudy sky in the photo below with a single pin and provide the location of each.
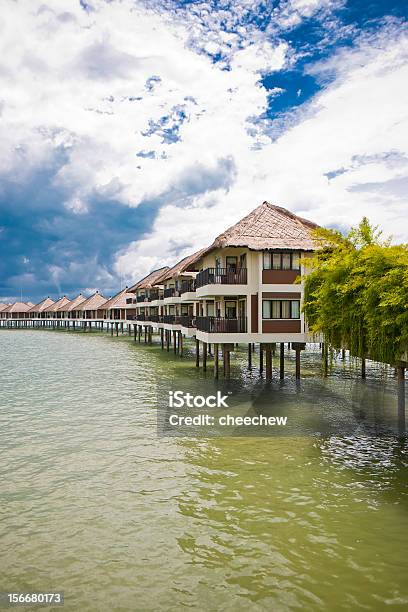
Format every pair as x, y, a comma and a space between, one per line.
132, 132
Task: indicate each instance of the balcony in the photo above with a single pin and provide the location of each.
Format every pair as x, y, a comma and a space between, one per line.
140, 317
186, 320
169, 319
218, 325
142, 298
221, 276
171, 292
187, 285
153, 318
154, 295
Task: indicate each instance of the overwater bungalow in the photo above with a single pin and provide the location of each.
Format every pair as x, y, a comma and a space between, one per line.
118, 308
38, 311
3, 308
18, 310
177, 305
146, 294
52, 311
250, 282
65, 311
88, 309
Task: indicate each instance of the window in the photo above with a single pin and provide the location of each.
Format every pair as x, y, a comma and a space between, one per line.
266, 309
295, 309
281, 261
230, 310
280, 309
217, 263
286, 261
242, 260
210, 309
285, 309
231, 263
276, 261
295, 261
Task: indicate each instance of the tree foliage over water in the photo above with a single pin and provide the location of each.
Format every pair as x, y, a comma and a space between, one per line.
356, 293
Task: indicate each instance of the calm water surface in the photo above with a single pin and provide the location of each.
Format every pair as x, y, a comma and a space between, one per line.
93, 502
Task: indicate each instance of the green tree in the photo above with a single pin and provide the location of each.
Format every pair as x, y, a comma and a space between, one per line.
356, 293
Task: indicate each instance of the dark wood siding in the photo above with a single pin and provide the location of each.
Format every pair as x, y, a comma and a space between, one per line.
280, 295
283, 277
281, 326
254, 313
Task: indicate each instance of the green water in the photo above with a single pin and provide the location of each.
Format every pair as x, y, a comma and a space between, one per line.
93, 502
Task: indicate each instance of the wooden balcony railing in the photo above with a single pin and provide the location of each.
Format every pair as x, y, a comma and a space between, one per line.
221, 276
171, 292
142, 298
187, 285
220, 325
186, 320
169, 318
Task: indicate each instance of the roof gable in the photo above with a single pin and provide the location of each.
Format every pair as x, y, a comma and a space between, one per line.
94, 302
61, 302
118, 300
70, 304
149, 280
183, 265
43, 305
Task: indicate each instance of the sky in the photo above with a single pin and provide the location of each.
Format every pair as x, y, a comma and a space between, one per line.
133, 132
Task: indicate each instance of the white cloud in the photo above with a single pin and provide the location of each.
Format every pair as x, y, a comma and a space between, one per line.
79, 84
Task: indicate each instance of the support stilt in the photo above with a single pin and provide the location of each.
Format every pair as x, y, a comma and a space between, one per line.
216, 361
282, 361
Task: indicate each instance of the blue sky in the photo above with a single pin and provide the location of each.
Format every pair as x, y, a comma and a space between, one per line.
133, 132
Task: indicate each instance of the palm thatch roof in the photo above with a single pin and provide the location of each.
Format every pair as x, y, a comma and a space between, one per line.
70, 305
182, 265
61, 302
118, 300
4, 306
17, 307
94, 302
151, 279
268, 227
43, 305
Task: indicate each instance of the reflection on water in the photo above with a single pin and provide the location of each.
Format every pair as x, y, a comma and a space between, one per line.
93, 502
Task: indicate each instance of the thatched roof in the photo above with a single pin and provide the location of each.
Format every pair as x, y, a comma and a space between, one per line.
17, 307
61, 302
94, 302
151, 279
43, 305
4, 306
182, 265
70, 305
118, 300
268, 227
